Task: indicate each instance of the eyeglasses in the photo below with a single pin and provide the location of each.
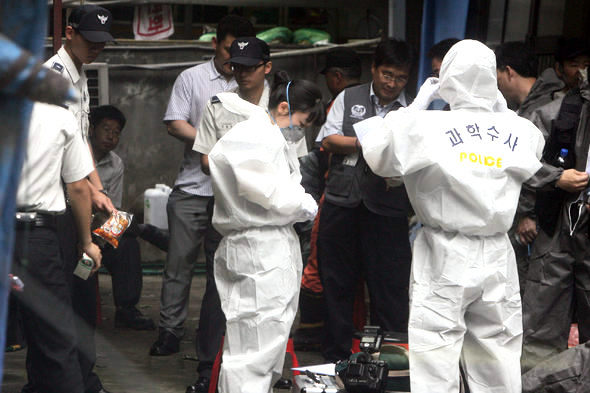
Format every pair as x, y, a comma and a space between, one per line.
389, 77
116, 132
244, 68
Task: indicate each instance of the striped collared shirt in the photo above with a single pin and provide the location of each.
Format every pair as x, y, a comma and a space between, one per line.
190, 94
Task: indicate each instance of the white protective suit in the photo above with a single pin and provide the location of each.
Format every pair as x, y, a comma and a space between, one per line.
258, 196
463, 171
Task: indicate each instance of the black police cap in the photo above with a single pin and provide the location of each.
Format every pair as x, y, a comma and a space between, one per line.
248, 51
93, 22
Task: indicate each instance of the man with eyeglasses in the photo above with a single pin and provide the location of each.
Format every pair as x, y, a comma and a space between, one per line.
124, 262
363, 223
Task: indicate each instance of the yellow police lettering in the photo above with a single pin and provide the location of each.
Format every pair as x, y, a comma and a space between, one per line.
489, 161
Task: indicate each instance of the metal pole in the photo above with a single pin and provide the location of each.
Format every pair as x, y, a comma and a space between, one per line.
390, 20
397, 19
57, 8
504, 21
533, 21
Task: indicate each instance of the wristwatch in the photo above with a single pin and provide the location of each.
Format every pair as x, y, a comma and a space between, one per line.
104, 192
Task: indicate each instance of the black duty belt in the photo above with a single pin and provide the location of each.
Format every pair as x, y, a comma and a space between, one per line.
35, 220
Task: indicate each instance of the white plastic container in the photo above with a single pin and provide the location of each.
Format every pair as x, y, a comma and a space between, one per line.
154, 206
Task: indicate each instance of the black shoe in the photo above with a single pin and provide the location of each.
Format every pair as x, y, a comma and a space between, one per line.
103, 390
131, 317
282, 383
200, 386
308, 339
135, 229
166, 344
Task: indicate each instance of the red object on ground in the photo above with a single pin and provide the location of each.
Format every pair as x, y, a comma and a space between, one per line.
217, 364
291, 351
311, 274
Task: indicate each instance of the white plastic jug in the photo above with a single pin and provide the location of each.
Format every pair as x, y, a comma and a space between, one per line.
154, 206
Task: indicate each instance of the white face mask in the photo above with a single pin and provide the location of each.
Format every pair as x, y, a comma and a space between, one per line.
292, 134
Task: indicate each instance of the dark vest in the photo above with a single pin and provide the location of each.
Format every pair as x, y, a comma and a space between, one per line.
563, 135
348, 186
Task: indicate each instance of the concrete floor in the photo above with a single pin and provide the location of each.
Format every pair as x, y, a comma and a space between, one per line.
123, 362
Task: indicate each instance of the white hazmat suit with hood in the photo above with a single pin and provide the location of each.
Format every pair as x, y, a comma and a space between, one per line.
463, 172
258, 198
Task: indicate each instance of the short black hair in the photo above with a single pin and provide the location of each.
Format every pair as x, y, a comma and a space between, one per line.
569, 48
304, 96
440, 49
348, 72
393, 52
100, 113
519, 56
344, 60
235, 25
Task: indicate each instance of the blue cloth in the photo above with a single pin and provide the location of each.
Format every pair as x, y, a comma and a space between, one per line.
440, 19
24, 24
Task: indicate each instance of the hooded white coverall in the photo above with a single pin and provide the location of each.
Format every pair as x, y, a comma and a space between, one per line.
258, 197
463, 171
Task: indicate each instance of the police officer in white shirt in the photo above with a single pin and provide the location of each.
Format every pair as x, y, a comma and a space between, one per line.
55, 151
87, 31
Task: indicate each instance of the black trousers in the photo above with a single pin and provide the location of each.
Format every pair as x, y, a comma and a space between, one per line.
211, 318
124, 264
83, 295
46, 309
355, 242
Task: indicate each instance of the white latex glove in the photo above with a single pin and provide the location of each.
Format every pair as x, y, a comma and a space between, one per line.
500, 105
309, 207
428, 93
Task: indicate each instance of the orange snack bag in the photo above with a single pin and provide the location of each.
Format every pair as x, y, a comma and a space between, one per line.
112, 230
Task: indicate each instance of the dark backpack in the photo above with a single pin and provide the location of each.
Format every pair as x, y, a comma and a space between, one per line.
563, 136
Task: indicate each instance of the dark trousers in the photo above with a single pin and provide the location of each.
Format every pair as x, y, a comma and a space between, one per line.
355, 242
83, 295
124, 264
557, 287
46, 309
211, 318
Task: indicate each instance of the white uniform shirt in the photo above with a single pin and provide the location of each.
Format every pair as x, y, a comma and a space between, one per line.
62, 63
333, 124
55, 151
218, 118
192, 90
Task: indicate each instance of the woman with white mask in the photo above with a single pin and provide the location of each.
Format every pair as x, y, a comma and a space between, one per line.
258, 198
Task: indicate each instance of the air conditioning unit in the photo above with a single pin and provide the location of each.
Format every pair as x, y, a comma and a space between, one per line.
98, 83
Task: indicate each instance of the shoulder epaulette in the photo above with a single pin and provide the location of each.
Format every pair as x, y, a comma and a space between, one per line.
58, 67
